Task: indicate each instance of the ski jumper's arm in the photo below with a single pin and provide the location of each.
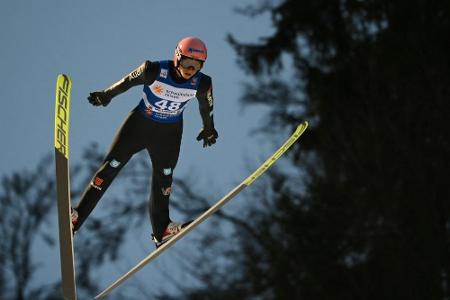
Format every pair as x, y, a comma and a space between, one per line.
144, 74
206, 102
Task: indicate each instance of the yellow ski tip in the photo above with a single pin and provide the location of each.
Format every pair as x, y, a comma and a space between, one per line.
62, 109
271, 160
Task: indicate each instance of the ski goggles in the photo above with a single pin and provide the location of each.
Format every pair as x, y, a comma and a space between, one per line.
187, 63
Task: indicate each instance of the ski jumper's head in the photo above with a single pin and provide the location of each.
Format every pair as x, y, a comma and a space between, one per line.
189, 57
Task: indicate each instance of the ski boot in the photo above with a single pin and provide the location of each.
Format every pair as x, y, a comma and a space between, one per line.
171, 230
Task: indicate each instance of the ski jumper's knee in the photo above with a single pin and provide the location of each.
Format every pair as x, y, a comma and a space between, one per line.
106, 174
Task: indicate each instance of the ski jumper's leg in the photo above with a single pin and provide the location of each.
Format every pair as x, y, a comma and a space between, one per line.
164, 150
127, 142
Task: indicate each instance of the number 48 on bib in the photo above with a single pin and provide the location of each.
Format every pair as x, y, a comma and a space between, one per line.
169, 105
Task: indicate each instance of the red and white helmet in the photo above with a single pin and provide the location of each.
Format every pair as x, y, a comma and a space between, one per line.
191, 47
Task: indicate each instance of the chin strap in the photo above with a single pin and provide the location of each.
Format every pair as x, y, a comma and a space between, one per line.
177, 70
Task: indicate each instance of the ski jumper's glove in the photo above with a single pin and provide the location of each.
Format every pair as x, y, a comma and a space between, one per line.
208, 136
99, 98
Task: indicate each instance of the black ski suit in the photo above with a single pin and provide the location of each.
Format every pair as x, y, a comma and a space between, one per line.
155, 125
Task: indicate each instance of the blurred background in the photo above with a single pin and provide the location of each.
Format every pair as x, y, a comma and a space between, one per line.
357, 209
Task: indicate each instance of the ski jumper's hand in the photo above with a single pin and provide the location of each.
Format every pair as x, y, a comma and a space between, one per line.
99, 98
208, 136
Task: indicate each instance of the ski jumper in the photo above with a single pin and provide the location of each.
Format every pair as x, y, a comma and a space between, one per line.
156, 125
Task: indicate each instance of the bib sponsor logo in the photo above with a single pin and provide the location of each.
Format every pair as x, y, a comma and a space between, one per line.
158, 89
179, 95
163, 73
167, 171
168, 92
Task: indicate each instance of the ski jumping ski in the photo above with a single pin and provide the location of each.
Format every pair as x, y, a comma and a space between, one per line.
62, 113
247, 182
